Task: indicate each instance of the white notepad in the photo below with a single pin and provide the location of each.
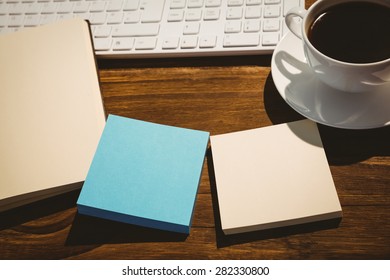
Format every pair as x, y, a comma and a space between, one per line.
272, 177
51, 114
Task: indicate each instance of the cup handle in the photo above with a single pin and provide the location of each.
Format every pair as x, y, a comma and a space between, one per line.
293, 25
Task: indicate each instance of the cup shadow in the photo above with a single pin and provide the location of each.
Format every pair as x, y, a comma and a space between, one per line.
276, 108
342, 146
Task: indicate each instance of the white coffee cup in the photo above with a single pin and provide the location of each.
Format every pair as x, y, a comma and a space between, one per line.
345, 76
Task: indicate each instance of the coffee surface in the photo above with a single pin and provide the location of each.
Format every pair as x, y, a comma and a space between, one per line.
355, 32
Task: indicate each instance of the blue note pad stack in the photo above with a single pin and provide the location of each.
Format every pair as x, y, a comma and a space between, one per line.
145, 174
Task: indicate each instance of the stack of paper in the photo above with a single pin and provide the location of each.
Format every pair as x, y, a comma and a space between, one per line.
52, 113
272, 177
145, 174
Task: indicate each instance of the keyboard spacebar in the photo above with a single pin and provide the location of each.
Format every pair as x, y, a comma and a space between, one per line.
241, 40
136, 30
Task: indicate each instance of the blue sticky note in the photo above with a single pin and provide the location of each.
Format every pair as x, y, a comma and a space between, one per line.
145, 174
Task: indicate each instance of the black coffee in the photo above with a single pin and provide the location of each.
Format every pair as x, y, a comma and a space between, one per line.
353, 32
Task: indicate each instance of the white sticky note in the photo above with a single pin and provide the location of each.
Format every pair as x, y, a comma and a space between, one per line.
273, 176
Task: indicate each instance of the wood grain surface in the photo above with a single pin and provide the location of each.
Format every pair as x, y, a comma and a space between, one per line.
219, 95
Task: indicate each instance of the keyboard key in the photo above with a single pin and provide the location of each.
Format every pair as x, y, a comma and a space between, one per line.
102, 31
85, 16
115, 6
131, 5
232, 3
290, 4
189, 42
175, 15
3, 21
191, 28
170, 43
271, 25
211, 14
32, 20
132, 17
16, 9
146, 43
194, 15
135, 30
241, 40
3, 9
152, 10
49, 8
98, 18
122, 44
115, 18
271, 11
212, 3
253, 12
101, 44
97, 6
233, 26
15, 20
253, 2
80, 7
208, 42
64, 8
177, 4
252, 26
234, 13
45, 19
270, 39
64, 16
195, 3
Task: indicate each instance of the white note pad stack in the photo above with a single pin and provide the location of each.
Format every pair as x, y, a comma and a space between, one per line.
272, 177
52, 113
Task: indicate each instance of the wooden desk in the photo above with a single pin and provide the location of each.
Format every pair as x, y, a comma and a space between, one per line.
218, 95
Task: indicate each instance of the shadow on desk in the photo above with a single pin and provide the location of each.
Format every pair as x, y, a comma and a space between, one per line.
37, 210
88, 230
228, 240
342, 146
259, 60
84, 230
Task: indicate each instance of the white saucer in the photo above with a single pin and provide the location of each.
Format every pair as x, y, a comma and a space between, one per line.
306, 94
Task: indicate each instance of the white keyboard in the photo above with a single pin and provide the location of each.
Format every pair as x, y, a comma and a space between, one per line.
162, 28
